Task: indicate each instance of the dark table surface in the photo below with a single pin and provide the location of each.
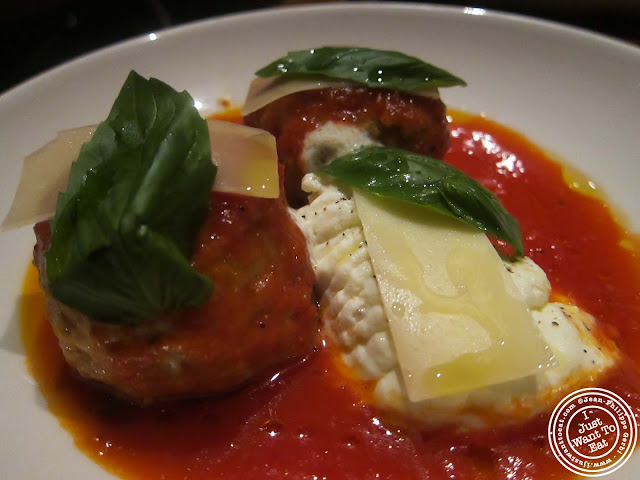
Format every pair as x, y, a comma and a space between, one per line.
39, 34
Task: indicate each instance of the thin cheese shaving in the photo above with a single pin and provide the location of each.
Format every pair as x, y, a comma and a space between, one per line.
45, 173
264, 91
457, 320
246, 158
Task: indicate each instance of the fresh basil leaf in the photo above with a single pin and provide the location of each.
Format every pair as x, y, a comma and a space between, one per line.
365, 66
425, 181
124, 229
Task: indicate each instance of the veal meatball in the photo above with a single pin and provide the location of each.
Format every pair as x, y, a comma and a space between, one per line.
392, 118
260, 317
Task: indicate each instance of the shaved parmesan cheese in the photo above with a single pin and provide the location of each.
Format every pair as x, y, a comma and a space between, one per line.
457, 320
264, 91
247, 160
45, 173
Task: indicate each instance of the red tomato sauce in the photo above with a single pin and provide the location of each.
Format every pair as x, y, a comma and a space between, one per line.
312, 420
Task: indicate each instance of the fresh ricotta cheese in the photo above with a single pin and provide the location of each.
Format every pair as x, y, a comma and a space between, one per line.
354, 316
329, 141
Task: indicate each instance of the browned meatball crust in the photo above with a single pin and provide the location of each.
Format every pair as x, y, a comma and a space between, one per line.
395, 119
261, 316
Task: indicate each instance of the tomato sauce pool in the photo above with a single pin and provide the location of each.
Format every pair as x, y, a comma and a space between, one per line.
312, 421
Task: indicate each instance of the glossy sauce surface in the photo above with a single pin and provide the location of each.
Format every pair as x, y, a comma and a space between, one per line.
312, 421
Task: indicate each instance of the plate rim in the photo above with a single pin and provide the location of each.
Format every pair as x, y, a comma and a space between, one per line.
202, 25
487, 14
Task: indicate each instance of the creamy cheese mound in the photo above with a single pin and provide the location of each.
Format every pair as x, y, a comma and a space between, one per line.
354, 318
332, 140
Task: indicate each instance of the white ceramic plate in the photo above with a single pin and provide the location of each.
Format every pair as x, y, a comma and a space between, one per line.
575, 93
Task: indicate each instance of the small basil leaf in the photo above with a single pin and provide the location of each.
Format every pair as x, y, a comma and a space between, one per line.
425, 181
365, 66
136, 197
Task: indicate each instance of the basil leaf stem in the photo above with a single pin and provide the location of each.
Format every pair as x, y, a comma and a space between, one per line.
431, 183
365, 66
124, 229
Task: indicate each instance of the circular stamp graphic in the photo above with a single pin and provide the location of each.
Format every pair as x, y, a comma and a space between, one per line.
592, 432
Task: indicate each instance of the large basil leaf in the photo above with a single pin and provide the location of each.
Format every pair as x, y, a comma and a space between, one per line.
136, 197
366, 66
425, 181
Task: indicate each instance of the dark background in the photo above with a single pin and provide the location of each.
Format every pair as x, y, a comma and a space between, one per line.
38, 34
